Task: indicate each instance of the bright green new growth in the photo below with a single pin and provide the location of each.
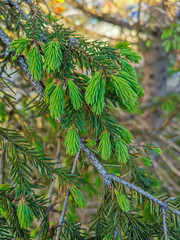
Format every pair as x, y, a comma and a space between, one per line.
25, 215
75, 95
19, 45
35, 63
48, 91
105, 145
95, 93
78, 197
127, 52
125, 92
123, 202
132, 82
72, 142
52, 56
121, 151
56, 102
126, 135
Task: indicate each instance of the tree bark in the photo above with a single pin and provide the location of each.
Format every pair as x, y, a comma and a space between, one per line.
155, 75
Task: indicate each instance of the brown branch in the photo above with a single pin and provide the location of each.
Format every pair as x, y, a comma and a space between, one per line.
102, 17
170, 165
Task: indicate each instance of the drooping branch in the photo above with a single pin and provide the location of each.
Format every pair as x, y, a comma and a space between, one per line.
61, 220
108, 178
23, 64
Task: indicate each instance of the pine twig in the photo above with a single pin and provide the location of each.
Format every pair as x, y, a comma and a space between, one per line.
61, 220
19, 9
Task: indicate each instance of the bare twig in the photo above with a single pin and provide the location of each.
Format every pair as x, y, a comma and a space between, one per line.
168, 142
47, 6
2, 162
19, 9
58, 155
61, 220
3, 65
170, 165
164, 223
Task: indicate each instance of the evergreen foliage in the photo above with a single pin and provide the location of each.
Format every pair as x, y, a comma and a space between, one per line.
95, 93
105, 145
35, 63
52, 56
75, 95
72, 142
121, 151
77, 106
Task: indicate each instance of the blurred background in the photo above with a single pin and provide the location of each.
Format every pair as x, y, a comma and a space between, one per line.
152, 28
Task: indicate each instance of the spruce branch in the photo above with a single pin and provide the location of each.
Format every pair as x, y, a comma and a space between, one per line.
109, 178
23, 64
61, 220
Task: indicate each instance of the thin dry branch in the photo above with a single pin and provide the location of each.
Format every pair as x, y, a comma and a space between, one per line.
164, 223
19, 9
102, 17
61, 220
58, 155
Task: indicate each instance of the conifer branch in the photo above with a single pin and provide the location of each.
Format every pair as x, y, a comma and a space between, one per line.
61, 220
109, 178
23, 64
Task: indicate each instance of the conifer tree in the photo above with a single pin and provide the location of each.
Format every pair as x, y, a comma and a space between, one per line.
77, 84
